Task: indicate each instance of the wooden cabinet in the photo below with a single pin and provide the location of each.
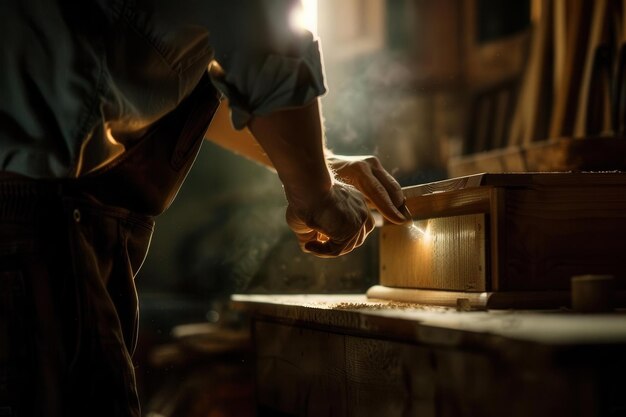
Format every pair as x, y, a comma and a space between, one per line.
505, 240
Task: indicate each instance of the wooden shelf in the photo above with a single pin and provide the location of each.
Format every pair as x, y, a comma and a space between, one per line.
559, 155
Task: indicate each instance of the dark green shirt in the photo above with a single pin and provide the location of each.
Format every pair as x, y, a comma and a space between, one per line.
78, 78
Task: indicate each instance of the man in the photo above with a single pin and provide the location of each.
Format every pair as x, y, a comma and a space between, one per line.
103, 105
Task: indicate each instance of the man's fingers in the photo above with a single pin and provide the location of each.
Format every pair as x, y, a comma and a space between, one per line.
327, 249
380, 189
331, 249
339, 223
370, 223
303, 238
391, 185
378, 195
405, 211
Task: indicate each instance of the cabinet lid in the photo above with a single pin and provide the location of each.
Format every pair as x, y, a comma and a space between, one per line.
514, 180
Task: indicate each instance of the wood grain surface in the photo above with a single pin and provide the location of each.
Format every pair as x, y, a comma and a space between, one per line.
453, 203
402, 359
550, 331
554, 233
588, 101
573, 32
517, 233
439, 253
481, 300
515, 179
305, 372
531, 120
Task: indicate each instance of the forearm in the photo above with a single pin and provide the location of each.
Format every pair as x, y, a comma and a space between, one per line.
241, 142
292, 137
293, 142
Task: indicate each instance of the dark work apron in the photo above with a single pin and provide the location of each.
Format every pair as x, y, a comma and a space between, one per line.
69, 252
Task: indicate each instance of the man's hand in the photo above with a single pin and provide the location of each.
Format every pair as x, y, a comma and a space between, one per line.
380, 189
329, 218
334, 225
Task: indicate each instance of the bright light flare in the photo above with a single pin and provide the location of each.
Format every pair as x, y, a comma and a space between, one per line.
304, 17
420, 233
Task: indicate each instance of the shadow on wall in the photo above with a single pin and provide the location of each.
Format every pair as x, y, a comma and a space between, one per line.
226, 233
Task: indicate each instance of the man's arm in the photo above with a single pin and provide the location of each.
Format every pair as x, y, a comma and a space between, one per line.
241, 142
328, 217
363, 172
293, 141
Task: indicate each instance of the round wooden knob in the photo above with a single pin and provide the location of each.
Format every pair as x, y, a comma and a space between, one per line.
592, 293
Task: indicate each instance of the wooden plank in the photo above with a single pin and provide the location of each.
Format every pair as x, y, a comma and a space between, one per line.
497, 238
439, 326
490, 63
591, 72
559, 41
300, 371
439, 53
460, 183
453, 203
591, 154
389, 378
477, 300
434, 377
530, 122
439, 253
618, 11
484, 123
451, 364
554, 233
525, 179
445, 298
503, 111
375, 377
567, 87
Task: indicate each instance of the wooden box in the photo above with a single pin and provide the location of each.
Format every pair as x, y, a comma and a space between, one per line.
505, 240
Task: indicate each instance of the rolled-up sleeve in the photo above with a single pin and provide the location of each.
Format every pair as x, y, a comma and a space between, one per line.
268, 63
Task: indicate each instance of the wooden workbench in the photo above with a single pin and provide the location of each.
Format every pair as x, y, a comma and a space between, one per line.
345, 355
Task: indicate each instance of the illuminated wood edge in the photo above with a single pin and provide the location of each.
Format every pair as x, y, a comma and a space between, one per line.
515, 179
452, 203
494, 300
